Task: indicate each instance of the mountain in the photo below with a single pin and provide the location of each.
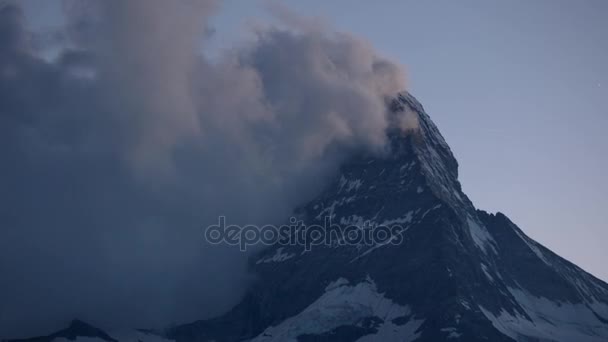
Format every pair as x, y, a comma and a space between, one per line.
83, 332
76, 329
456, 273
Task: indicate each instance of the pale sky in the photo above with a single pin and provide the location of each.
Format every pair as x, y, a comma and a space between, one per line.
518, 88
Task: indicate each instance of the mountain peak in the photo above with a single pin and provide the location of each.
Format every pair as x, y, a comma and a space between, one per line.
458, 273
438, 163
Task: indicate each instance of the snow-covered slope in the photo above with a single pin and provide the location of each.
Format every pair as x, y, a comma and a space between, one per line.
457, 273
346, 305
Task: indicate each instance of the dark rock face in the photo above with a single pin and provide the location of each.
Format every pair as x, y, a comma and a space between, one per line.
456, 273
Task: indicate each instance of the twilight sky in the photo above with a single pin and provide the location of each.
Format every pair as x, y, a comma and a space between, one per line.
517, 88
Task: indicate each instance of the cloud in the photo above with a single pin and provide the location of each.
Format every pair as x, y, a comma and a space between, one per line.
120, 151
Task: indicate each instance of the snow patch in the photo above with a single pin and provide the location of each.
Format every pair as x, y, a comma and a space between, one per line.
329, 211
484, 268
406, 167
532, 245
390, 332
465, 304
136, 336
428, 211
278, 256
354, 220
407, 218
353, 185
552, 321
348, 185
452, 332
341, 304
373, 248
481, 236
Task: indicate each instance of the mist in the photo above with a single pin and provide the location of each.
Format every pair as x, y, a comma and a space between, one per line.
120, 150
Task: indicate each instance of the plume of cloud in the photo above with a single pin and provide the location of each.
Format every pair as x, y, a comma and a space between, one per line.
120, 151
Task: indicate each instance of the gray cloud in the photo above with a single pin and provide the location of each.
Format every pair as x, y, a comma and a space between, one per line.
117, 154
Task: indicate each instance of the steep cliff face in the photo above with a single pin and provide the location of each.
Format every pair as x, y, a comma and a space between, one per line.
449, 272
